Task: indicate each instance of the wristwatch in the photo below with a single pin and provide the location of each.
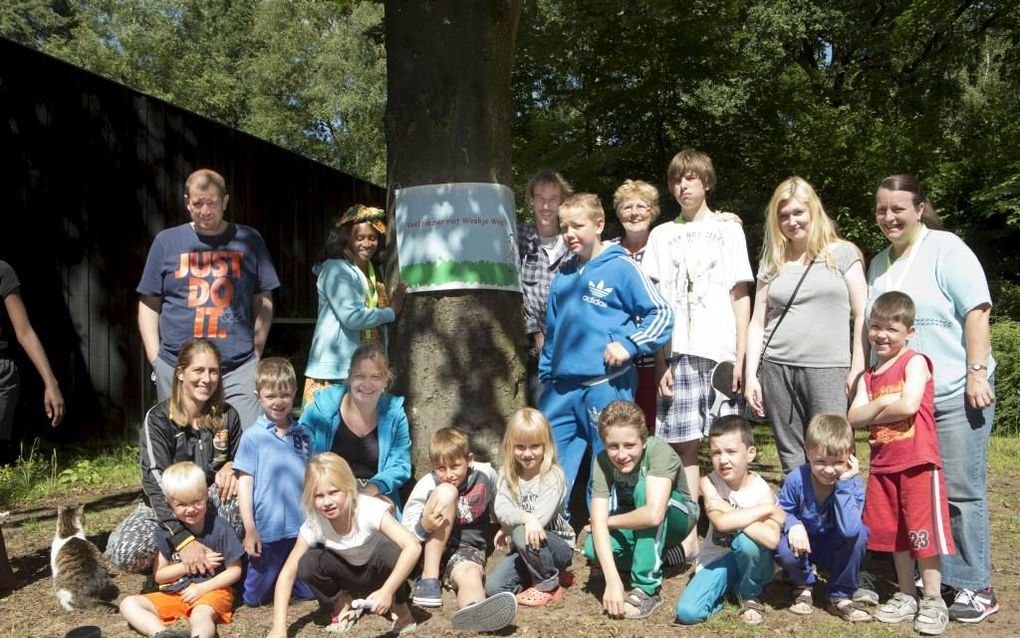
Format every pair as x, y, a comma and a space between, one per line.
977, 367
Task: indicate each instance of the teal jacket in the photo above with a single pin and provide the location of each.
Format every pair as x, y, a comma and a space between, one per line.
322, 418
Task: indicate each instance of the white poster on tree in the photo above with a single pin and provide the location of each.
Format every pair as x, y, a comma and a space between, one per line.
457, 236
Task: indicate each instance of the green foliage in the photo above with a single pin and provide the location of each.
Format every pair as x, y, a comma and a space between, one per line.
37, 474
1006, 300
1006, 348
478, 272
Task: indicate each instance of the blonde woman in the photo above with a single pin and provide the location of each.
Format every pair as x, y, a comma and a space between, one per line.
810, 284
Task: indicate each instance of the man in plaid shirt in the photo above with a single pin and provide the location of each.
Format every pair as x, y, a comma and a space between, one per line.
542, 253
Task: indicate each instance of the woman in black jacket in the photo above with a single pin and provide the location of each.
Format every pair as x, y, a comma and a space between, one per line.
193, 425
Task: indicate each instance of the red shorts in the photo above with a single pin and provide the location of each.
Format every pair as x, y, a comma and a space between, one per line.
170, 607
908, 512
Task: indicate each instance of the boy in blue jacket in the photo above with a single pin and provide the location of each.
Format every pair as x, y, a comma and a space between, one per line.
823, 500
602, 311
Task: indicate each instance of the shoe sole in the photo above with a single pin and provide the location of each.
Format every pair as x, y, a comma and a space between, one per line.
988, 612
431, 603
491, 614
892, 621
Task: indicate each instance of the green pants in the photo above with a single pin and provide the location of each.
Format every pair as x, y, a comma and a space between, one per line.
639, 551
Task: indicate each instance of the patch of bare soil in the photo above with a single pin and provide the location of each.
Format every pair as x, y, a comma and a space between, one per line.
32, 609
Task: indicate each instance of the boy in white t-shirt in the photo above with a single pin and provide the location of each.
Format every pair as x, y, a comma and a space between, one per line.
745, 518
699, 263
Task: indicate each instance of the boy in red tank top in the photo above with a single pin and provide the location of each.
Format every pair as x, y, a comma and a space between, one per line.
905, 507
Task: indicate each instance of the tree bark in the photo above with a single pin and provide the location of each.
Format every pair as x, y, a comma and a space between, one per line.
458, 355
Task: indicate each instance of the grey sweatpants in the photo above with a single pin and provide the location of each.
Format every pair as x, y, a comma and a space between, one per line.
793, 395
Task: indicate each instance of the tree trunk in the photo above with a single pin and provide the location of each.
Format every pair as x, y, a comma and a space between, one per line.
458, 355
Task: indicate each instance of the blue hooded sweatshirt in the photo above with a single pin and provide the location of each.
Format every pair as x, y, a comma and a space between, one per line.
607, 299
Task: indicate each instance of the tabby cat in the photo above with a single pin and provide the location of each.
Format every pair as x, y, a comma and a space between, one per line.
80, 576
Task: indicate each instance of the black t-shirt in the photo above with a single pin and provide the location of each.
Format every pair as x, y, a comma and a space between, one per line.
361, 453
8, 284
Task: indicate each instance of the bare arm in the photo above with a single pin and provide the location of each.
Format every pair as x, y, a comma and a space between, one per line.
245, 503
977, 340
149, 309
284, 588
53, 400
651, 514
410, 550
863, 411
262, 311
857, 287
755, 343
612, 600
740, 299
908, 402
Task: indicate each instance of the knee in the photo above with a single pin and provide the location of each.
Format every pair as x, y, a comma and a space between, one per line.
747, 548
444, 496
688, 613
467, 574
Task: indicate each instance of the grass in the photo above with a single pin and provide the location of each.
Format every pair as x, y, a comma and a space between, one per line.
39, 474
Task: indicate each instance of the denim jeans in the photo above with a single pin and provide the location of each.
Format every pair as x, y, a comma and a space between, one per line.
525, 567
744, 571
963, 442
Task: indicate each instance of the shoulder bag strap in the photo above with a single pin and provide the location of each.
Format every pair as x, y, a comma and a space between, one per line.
781, 316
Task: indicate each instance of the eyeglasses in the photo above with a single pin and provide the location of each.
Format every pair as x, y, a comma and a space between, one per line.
635, 206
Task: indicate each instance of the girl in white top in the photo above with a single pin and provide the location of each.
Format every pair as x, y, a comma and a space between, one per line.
529, 507
341, 554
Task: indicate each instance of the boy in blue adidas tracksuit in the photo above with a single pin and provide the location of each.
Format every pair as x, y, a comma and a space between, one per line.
602, 311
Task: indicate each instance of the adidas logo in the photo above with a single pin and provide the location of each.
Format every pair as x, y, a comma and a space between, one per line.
599, 289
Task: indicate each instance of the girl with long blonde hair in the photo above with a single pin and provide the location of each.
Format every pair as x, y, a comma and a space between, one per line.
803, 353
529, 507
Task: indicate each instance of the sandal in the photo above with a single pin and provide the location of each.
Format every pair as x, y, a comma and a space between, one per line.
803, 602
751, 605
645, 604
407, 629
344, 622
532, 597
848, 610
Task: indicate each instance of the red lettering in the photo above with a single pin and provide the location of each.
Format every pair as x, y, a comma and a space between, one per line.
198, 292
199, 322
182, 270
215, 331
222, 292
198, 268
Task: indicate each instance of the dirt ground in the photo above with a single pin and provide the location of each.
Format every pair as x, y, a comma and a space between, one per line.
32, 609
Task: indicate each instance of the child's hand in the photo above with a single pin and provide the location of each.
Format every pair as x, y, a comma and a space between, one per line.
192, 593
798, 538
501, 540
432, 518
615, 354
533, 532
612, 599
855, 469
253, 543
666, 383
383, 601
752, 393
199, 559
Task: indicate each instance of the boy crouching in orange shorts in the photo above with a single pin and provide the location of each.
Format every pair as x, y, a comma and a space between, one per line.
204, 598
906, 506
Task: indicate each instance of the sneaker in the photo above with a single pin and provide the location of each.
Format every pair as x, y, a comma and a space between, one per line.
427, 593
491, 614
973, 605
932, 617
899, 608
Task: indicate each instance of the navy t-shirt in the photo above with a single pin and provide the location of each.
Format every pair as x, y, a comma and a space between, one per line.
8, 283
217, 535
207, 283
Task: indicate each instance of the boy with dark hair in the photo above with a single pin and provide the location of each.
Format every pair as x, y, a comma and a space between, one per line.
745, 519
602, 312
823, 500
907, 509
450, 511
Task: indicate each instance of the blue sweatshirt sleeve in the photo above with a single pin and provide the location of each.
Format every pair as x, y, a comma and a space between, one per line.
545, 358
789, 499
396, 467
849, 505
644, 302
319, 426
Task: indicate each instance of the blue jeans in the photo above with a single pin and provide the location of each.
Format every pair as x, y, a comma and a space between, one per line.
963, 442
524, 567
838, 555
744, 571
573, 413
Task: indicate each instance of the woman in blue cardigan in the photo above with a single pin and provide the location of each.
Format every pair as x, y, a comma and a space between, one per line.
365, 425
354, 307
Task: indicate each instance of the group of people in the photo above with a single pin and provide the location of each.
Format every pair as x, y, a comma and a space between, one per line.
625, 336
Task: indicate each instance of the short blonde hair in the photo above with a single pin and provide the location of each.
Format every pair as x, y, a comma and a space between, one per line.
548, 176
333, 468
623, 414
527, 426
637, 189
830, 434
183, 480
587, 203
202, 179
448, 444
690, 161
275, 373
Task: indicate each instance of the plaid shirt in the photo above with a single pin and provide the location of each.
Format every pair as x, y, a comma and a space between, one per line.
537, 272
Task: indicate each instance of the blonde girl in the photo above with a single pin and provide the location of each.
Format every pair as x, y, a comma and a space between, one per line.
529, 507
349, 548
812, 356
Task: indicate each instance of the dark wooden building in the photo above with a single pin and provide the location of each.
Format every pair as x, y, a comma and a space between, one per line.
91, 171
